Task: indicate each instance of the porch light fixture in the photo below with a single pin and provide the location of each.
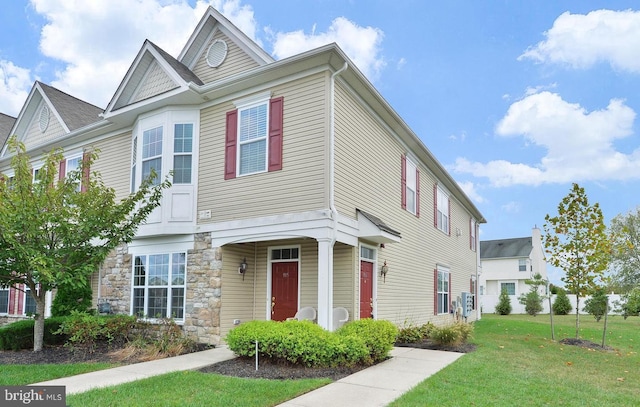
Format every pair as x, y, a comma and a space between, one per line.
384, 270
243, 267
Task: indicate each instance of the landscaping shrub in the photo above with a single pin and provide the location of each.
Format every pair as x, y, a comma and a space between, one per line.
597, 305
629, 305
504, 304
71, 298
532, 302
297, 342
379, 336
451, 335
19, 335
414, 333
86, 330
562, 305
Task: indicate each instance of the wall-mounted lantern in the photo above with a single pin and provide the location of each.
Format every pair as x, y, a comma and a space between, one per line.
243, 267
383, 271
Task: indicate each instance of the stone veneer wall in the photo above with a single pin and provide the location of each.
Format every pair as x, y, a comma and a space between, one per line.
204, 276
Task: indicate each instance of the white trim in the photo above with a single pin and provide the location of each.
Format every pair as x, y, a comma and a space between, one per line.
161, 245
241, 107
270, 262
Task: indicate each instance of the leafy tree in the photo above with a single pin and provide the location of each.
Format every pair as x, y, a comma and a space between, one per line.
504, 303
598, 304
57, 232
562, 305
626, 250
532, 300
577, 242
629, 304
70, 298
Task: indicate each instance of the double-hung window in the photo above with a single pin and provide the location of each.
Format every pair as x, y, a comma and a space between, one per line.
159, 285
252, 139
71, 165
472, 234
522, 264
509, 287
182, 150
410, 181
152, 153
442, 210
443, 290
29, 302
4, 300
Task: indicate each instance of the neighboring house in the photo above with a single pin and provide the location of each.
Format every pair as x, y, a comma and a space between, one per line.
295, 184
506, 265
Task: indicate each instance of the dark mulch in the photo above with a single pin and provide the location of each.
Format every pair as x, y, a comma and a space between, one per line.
585, 344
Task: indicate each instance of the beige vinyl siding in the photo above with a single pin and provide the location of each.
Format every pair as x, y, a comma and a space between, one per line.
236, 61
368, 171
114, 163
247, 300
299, 186
156, 82
344, 272
35, 136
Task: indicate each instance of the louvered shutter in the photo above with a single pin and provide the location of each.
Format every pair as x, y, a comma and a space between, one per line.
276, 109
230, 143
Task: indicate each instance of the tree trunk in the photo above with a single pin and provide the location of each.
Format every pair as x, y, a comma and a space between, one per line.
577, 316
38, 327
553, 335
606, 312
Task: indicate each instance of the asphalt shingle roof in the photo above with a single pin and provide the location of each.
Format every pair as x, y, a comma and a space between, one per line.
182, 70
515, 247
6, 123
74, 112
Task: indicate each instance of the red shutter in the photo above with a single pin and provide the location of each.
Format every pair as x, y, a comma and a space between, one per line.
61, 173
84, 183
21, 298
403, 181
230, 145
12, 299
435, 292
276, 122
435, 205
417, 192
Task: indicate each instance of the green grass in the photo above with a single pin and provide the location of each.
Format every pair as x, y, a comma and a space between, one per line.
516, 363
18, 375
191, 388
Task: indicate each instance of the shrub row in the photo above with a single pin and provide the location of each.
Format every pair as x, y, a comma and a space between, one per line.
305, 343
454, 334
19, 335
83, 329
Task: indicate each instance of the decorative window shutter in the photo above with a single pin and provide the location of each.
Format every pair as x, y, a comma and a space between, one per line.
84, 183
276, 108
230, 145
21, 299
435, 205
61, 173
435, 292
417, 192
403, 181
12, 300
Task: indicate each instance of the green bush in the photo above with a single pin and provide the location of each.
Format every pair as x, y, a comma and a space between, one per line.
71, 298
629, 304
86, 330
504, 304
19, 335
598, 304
304, 343
414, 333
561, 305
532, 302
379, 336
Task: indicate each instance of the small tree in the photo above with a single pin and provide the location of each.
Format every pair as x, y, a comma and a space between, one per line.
562, 305
532, 300
626, 249
504, 303
577, 242
597, 305
56, 231
629, 304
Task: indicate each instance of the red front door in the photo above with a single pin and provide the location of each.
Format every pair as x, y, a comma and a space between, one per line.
284, 290
366, 289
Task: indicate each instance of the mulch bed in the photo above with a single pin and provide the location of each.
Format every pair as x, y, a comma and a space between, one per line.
584, 344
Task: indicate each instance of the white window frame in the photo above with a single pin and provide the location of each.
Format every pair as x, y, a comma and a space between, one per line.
243, 106
521, 263
68, 170
183, 153
169, 286
473, 228
27, 296
147, 133
411, 187
515, 286
442, 208
444, 279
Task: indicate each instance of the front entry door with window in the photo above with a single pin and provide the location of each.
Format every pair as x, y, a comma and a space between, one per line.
284, 290
366, 289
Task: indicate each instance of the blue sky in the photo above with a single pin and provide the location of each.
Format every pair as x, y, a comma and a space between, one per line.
518, 99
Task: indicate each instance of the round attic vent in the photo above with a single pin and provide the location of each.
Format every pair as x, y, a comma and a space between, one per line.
44, 118
217, 53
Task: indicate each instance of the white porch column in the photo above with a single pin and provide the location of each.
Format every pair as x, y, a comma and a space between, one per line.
325, 283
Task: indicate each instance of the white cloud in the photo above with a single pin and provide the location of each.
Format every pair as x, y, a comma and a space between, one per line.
580, 41
469, 188
14, 87
361, 44
579, 144
511, 207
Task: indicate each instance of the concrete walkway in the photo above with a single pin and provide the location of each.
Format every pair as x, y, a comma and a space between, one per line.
377, 385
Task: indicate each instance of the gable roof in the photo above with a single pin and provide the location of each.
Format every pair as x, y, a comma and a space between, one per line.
75, 113
506, 248
180, 68
6, 123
